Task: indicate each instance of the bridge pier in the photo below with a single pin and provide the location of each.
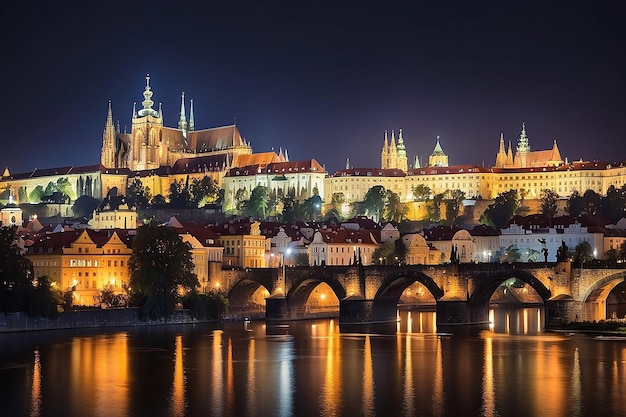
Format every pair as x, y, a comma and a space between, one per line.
562, 312
276, 308
357, 310
461, 315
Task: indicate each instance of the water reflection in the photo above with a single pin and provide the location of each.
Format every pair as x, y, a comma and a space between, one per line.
309, 368
178, 385
35, 397
489, 391
331, 391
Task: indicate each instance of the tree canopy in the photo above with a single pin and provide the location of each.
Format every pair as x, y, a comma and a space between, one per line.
161, 268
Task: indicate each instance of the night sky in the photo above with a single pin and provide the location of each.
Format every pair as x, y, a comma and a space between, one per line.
322, 79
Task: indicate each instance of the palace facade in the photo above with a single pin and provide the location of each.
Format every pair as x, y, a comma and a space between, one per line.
530, 171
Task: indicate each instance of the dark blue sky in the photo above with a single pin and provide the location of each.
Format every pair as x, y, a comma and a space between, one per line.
322, 79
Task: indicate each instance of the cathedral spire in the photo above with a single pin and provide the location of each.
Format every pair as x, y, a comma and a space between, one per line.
182, 120
147, 101
107, 156
191, 122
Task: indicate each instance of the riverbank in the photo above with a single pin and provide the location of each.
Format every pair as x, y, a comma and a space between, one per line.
612, 327
93, 318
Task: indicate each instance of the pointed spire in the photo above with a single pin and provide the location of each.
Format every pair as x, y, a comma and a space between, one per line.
134, 108
347, 163
417, 162
386, 144
161, 110
191, 122
147, 101
286, 156
182, 120
117, 128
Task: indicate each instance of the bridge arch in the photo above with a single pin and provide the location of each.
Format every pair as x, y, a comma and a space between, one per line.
489, 282
301, 290
385, 303
600, 289
248, 296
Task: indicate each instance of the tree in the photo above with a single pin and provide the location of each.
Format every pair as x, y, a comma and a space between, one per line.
16, 272
241, 196
613, 205
385, 253
454, 204
161, 267
42, 299
374, 202
158, 201
206, 306
204, 191
334, 213
312, 208
549, 202
394, 210
583, 253
434, 207
291, 209
137, 196
591, 202
575, 204
421, 192
272, 203
501, 211
84, 206
64, 186
179, 195
256, 206
36, 194
508, 254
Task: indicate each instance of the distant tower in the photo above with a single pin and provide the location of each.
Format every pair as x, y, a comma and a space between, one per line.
107, 157
501, 155
438, 158
384, 155
393, 152
523, 148
182, 120
402, 160
145, 148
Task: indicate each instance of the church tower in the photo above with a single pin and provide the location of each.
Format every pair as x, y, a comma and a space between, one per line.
501, 155
393, 152
523, 148
145, 145
384, 155
438, 158
107, 156
402, 160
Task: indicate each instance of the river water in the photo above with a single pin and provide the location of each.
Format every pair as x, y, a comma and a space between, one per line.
312, 368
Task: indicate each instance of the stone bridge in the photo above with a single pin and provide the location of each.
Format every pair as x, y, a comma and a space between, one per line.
370, 294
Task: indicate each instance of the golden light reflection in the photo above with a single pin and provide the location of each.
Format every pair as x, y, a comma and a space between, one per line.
409, 323
369, 396
408, 397
331, 391
439, 407
492, 321
488, 388
99, 367
551, 394
230, 380
177, 400
251, 388
576, 396
35, 396
525, 321
217, 398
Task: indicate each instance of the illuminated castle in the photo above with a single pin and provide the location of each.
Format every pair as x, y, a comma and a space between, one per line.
151, 145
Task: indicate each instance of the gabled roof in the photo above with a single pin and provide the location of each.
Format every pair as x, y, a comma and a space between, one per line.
348, 237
